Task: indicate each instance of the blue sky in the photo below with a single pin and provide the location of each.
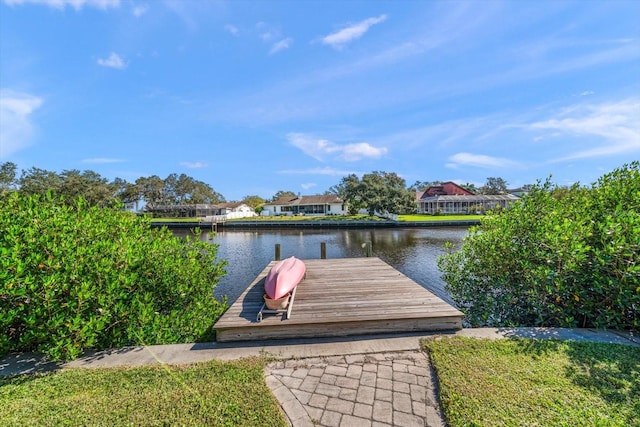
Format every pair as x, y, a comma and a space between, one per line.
253, 97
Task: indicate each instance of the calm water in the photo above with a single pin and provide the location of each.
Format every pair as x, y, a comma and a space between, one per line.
411, 251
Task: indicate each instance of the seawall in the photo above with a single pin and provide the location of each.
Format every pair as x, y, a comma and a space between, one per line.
312, 224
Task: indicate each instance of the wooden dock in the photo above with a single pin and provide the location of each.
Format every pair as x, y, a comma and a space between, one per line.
341, 297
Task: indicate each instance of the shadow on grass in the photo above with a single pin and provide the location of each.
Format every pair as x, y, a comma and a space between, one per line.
610, 371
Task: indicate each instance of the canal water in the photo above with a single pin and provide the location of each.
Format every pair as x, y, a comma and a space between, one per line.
412, 251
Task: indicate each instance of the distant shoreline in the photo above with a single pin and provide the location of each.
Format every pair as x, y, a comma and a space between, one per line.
253, 225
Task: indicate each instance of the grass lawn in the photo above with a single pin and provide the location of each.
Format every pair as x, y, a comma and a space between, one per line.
506, 382
213, 394
527, 382
402, 218
439, 217
310, 218
175, 220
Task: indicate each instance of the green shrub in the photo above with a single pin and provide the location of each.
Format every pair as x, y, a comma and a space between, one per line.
79, 277
562, 257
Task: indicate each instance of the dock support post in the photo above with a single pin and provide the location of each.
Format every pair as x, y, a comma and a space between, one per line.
367, 249
277, 254
323, 250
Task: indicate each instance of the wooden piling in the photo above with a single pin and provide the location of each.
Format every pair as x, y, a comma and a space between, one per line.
277, 254
367, 249
323, 250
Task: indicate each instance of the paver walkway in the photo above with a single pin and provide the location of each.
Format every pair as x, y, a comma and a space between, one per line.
379, 389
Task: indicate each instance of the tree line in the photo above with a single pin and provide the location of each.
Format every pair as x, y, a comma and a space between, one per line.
98, 191
378, 191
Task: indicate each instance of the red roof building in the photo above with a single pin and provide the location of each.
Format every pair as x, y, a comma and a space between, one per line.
446, 189
449, 198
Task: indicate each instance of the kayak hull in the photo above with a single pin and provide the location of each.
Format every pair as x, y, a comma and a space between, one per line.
284, 277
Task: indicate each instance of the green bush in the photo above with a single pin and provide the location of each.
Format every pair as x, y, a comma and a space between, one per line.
562, 257
79, 277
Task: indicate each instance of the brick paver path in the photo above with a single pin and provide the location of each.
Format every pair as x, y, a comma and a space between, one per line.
380, 389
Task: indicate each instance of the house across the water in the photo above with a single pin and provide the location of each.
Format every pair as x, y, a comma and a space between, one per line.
449, 198
224, 210
328, 204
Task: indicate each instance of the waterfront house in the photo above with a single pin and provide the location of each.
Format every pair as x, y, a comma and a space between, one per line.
328, 204
221, 210
232, 210
449, 198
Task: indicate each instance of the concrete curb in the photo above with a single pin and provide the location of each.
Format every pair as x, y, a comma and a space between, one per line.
17, 364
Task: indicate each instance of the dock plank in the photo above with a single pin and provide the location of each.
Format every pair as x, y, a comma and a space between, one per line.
341, 297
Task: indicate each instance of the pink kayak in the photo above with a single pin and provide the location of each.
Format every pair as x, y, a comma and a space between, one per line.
283, 277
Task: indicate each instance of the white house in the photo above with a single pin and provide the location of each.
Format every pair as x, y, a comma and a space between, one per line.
235, 210
207, 211
328, 204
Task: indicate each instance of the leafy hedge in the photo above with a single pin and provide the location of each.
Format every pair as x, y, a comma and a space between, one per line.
560, 257
79, 277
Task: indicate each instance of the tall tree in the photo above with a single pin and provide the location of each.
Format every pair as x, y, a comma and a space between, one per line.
470, 187
8, 171
185, 187
39, 181
89, 185
386, 193
283, 193
423, 185
170, 193
253, 201
126, 192
350, 190
494, 186
185, 190
152, 190
201, 192
377, 192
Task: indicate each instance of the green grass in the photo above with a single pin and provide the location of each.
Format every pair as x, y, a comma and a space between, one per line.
213, 393
311, 218
506, 382
175, 220
403, 218
439, 217
527, 382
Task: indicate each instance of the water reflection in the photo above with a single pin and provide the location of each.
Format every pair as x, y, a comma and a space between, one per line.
412, 251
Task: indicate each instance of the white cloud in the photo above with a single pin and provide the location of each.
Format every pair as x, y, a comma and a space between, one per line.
102, 160
614, 128
232, 29
311, 146
281, 45
140, 10
327, 171
308, 185
319, 149
113, 61
267, 32
352, 32
480, 161
194, 165
76, 4
16, 128
357, 151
